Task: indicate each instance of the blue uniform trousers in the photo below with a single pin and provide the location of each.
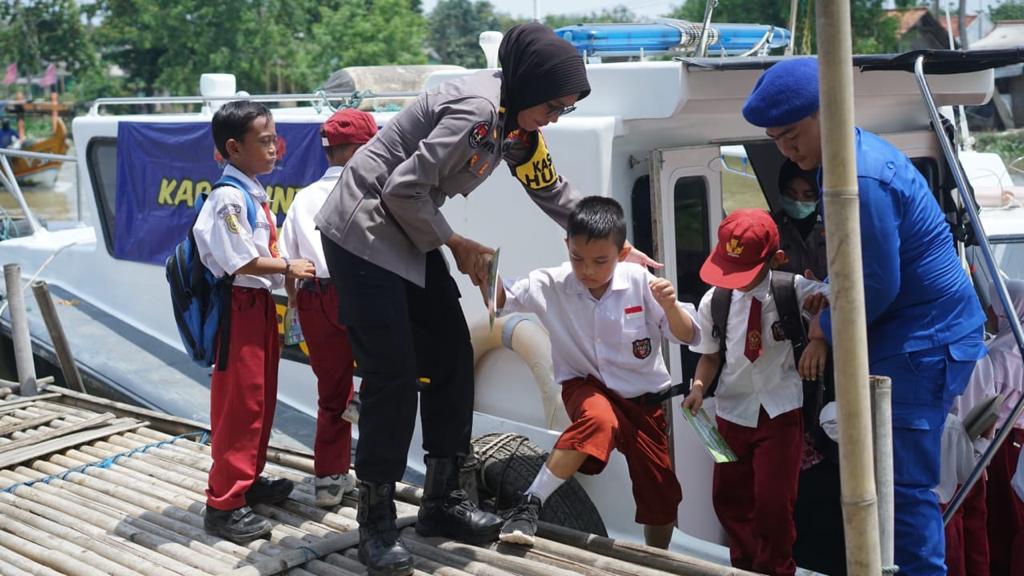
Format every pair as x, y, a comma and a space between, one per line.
924, 384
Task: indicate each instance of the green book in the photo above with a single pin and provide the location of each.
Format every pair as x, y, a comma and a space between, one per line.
709, 436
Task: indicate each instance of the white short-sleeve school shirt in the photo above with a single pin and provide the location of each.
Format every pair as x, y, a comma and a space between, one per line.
617, 338
224, 238
299, 236
772, 380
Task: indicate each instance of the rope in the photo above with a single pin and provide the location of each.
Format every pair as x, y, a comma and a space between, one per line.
106, 463
308, 554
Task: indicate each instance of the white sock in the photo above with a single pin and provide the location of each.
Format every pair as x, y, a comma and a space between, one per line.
544, 484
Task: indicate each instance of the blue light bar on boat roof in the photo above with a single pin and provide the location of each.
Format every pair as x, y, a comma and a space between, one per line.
662, 37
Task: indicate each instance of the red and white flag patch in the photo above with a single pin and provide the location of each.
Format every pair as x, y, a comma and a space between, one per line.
632, 310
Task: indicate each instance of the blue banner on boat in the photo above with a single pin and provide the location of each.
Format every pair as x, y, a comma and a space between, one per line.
162, 167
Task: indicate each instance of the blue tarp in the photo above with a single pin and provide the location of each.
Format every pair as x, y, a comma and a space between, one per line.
161, 168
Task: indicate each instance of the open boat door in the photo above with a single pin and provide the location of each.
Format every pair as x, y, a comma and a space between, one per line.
686, 208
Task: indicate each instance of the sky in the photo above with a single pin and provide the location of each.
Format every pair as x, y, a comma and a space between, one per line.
650, 8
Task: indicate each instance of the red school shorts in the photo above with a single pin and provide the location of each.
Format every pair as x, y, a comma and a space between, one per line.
602, 421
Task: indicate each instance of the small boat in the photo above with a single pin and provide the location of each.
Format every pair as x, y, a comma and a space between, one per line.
37, 172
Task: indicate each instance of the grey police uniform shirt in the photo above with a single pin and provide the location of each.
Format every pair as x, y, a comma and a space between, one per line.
803, 252
386, 205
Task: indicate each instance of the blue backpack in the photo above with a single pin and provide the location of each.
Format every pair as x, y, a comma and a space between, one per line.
201, 301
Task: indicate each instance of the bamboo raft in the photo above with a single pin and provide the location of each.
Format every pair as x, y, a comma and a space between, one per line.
91, 487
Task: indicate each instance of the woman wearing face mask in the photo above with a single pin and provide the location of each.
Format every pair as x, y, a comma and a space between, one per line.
801, 227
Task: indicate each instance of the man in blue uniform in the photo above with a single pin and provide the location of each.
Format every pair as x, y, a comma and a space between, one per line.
923, 317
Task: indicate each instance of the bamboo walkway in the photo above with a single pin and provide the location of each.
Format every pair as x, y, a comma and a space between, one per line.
93, 487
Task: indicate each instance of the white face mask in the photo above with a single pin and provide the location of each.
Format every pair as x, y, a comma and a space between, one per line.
798, 210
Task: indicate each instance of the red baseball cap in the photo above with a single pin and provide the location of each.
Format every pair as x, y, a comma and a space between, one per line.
348, 126
746, 240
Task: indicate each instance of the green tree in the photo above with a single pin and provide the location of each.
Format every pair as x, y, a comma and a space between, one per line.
873, 31
36, 33
368, 33
1007, 10
455, 26
619, 13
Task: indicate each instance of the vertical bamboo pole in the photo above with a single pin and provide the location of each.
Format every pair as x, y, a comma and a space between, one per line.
19, 331
842, 220
881, 416
57, 336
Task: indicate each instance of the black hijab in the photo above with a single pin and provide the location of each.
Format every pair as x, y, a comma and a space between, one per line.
537, 66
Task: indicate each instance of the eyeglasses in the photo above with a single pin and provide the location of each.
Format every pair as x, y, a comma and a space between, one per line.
558, 111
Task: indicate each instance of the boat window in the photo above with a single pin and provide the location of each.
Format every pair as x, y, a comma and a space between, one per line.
101, 156
740, 188
640, 202
693, 243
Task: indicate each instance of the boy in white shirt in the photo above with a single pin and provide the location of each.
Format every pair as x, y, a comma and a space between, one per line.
330, 354
605, 320
760, 393
243, 389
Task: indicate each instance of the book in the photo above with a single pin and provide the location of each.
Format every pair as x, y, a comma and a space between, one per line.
709, 436
292, 328
982, 416
492, 288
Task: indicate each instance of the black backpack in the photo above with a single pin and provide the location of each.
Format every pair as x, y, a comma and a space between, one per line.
783, 290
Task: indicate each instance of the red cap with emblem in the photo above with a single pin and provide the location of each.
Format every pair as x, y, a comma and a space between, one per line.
348, 126
746, 241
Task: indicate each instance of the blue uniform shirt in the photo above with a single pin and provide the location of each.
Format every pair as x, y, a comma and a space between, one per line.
916, 294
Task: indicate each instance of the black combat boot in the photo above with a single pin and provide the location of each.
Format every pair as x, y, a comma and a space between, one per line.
380, 548
446, 509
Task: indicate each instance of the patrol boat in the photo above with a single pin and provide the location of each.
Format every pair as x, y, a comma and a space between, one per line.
651, 135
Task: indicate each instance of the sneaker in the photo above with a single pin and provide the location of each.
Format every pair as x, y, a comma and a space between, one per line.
240, 525
265, 491
521, 525
331, 489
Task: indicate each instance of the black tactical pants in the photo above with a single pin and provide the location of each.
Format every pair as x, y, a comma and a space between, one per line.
405, 339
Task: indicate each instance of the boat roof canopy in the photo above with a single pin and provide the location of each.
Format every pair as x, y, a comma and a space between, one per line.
935, 61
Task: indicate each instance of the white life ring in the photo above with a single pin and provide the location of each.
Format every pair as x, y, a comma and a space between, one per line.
527, 338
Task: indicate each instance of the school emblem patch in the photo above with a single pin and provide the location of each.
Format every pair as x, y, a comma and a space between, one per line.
778, 332
478, 134
229, 213
642, 348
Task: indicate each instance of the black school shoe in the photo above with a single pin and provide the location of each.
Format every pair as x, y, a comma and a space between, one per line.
521, 526
265, 491
240, 525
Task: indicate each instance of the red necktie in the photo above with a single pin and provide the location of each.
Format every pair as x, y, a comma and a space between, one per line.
273, 230
752, 346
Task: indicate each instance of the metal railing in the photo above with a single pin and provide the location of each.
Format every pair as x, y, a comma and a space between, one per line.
8, 180
963, 189
321, 98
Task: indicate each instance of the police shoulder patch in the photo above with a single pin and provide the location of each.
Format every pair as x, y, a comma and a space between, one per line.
478, 134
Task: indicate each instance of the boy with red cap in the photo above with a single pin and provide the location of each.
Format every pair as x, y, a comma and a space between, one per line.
330, 353
760, 393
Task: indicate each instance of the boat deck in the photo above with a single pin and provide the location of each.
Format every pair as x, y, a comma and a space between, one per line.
89, 486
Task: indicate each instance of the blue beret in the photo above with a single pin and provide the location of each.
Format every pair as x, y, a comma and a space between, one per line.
786, 93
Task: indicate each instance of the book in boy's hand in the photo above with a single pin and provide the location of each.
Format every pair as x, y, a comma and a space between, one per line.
492, 288
709, 436
292, 328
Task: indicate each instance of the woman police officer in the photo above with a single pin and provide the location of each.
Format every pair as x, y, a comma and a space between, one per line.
382, 230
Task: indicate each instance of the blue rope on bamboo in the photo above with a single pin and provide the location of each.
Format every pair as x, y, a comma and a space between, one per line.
106, 463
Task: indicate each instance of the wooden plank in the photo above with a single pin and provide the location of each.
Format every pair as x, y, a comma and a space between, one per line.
60, 444
56, 433
26, 424
20, 403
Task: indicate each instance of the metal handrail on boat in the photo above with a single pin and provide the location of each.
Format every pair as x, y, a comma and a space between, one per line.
8, 180
280, 98
967, 198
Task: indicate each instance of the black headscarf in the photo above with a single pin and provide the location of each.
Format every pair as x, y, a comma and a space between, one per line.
537, 66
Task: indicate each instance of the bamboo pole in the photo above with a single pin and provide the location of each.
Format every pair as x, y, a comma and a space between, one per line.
881, 412
842, 220
57, 336
511, 563
12, 570
27, 424
47, 557
17, 526
30, 439
25, 565
474, 567
62, 532
142, 557
23, 359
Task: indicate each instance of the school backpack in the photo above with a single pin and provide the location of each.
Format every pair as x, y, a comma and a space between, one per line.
201, 301
783, 290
